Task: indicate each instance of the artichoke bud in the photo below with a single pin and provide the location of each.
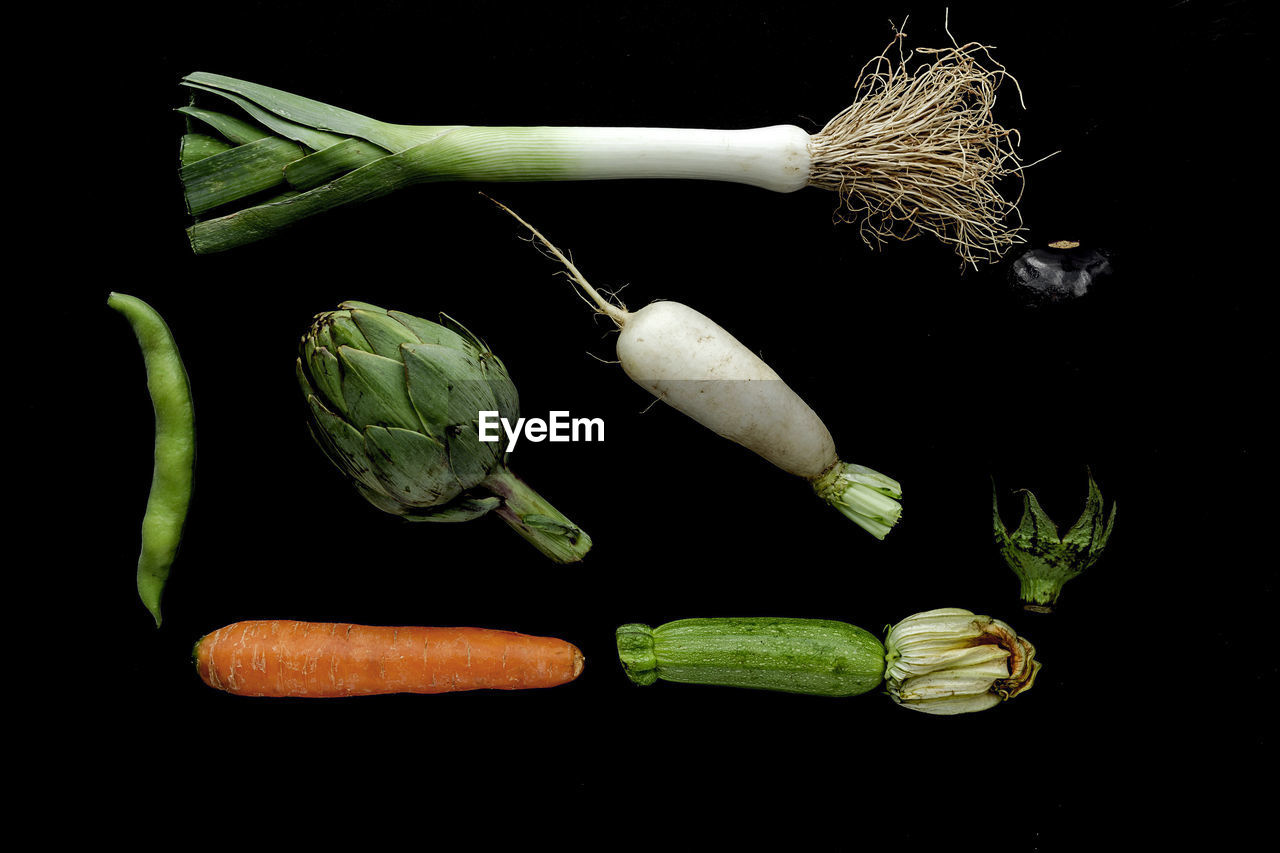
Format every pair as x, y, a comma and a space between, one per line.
395, 402
1042, 559
952, 661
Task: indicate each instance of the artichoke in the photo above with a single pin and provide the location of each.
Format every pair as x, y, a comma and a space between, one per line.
394, 403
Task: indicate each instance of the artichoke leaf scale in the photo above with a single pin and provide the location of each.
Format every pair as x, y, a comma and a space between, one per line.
357, 305
462, 509
384, 333
322, 374
343, 444
318, 338
411, 467
470, 458
428, 332
340, 330
505, 398
436, 375
457, 328
383, 502
469, 397
374, 390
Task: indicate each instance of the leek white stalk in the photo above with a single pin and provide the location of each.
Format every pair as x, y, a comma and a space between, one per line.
916, 152
772, 158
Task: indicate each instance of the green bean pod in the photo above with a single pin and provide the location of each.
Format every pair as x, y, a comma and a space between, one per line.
815, 656
175, 447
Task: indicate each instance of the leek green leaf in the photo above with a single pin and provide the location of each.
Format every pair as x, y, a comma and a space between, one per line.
197, 146
315, 114
237, 131
236, 173
325, 165
316, 140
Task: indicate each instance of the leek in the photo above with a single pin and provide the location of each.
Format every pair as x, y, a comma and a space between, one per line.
916, 152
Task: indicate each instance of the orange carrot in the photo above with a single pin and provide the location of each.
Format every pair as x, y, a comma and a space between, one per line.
320, 659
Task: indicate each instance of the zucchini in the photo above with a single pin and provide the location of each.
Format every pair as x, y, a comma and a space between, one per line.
815, 656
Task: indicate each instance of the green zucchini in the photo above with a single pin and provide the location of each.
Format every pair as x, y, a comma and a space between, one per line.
815, 656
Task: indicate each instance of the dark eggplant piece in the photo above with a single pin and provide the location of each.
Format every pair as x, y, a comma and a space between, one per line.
1063, 271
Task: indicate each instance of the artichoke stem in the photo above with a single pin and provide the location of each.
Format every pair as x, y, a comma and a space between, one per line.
530, 515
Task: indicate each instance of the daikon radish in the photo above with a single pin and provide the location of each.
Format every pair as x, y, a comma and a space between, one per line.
692, 364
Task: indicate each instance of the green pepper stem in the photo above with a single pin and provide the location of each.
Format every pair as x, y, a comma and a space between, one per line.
1042, 558
530, 515
1039, 594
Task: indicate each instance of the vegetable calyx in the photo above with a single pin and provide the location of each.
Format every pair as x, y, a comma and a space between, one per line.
1043, 560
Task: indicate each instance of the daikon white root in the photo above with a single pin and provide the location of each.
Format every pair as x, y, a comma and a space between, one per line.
693, 365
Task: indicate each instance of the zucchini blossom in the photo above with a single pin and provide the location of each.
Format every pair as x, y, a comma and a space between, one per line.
394, 403
951, 661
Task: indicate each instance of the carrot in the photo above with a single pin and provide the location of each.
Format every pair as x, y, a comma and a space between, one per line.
320, 659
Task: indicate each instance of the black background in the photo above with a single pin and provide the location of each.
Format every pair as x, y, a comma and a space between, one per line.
1148, 713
